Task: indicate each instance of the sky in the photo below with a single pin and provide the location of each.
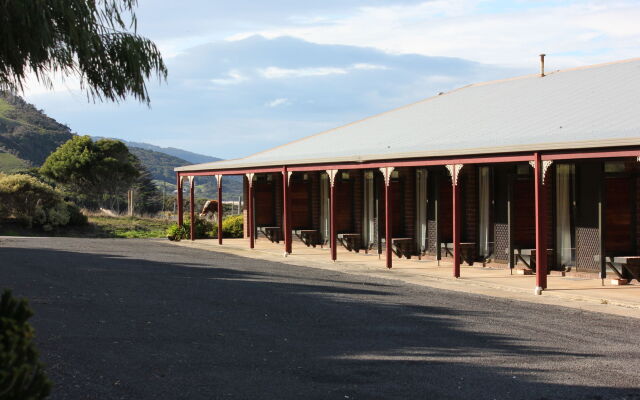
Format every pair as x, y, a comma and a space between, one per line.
245, 76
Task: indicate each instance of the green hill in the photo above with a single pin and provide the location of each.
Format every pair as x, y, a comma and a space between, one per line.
28, 136
27, 133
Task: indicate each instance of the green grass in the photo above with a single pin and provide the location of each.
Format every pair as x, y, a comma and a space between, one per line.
4, 107
98, 227
10, 163
130, 227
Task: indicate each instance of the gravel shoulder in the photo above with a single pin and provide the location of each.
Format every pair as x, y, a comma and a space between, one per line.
141, 319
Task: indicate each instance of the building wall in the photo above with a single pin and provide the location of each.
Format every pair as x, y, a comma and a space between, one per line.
358, 198
245, 210
469, 182
409, 202
278, 195
315, 200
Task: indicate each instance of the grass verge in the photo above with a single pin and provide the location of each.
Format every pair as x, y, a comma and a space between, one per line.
98, 227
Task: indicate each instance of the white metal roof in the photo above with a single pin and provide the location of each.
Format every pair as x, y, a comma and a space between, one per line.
580, 108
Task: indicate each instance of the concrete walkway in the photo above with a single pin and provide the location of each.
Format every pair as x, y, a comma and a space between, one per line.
575, 292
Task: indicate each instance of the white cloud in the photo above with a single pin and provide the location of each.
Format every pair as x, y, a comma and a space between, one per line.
233, 78
278, 73
277, 102
570, 33
369, 67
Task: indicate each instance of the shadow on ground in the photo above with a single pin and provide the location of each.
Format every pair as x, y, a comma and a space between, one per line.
190, 324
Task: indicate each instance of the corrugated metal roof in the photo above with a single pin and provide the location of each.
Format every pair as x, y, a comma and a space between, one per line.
580, 108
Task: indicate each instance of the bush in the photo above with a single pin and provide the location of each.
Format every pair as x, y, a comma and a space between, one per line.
176, 232
204, 229
21, 374
232, 226
32, 201
76, 217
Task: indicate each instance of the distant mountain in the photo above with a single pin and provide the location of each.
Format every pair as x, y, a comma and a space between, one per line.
28, 136
160, 165
192, 158
27, 133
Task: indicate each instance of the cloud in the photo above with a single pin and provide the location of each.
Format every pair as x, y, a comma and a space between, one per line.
254, 81
488, 31
278, 73
277, 102
368, 67
233, 77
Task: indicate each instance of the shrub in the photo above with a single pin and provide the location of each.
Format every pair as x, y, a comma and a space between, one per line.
232, 226
203, 228
31, 201
176, 232
21, 374
76, 217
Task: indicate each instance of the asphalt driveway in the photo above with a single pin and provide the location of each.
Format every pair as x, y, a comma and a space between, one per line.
143, 319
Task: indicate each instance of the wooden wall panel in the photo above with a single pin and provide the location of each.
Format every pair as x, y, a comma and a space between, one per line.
397, 205
264, 204
446, 210
524, 229
300, 192
618, 216
344, 205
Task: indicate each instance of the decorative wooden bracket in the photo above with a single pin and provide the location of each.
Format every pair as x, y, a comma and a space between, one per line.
289, 173
332, 176
386, 172
191, 180
250, 176
454, 171
546, 164
219, 180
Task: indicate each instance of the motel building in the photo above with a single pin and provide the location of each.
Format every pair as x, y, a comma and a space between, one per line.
539, 172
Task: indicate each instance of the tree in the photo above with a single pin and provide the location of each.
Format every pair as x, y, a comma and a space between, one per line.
21, 374
93, 40
94, 172
147, 197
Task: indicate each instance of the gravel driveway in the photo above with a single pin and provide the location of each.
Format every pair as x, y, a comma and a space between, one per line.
143, 319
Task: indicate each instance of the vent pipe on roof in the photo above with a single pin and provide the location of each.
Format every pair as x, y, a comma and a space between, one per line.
542, 64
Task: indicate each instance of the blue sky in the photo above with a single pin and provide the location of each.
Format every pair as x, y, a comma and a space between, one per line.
245, 75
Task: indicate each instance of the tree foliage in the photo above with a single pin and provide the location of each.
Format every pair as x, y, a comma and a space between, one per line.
94, 40
147, 197
31, 201
93, 172
21, 374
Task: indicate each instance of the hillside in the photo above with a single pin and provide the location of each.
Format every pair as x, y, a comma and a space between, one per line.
28, 136
160, 165
27, 133
192, 158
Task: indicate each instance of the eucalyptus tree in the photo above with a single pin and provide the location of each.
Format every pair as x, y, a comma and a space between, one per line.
95, 41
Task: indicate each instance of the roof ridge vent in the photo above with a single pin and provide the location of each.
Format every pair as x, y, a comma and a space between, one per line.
542, 64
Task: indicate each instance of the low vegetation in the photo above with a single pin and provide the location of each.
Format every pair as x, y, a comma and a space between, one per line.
205, 229
34, 203
22, 375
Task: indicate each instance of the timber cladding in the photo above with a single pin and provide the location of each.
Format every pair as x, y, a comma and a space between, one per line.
408, 176
358, 199
344, 189
524, 227
265, 203
300, 201
315, 200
